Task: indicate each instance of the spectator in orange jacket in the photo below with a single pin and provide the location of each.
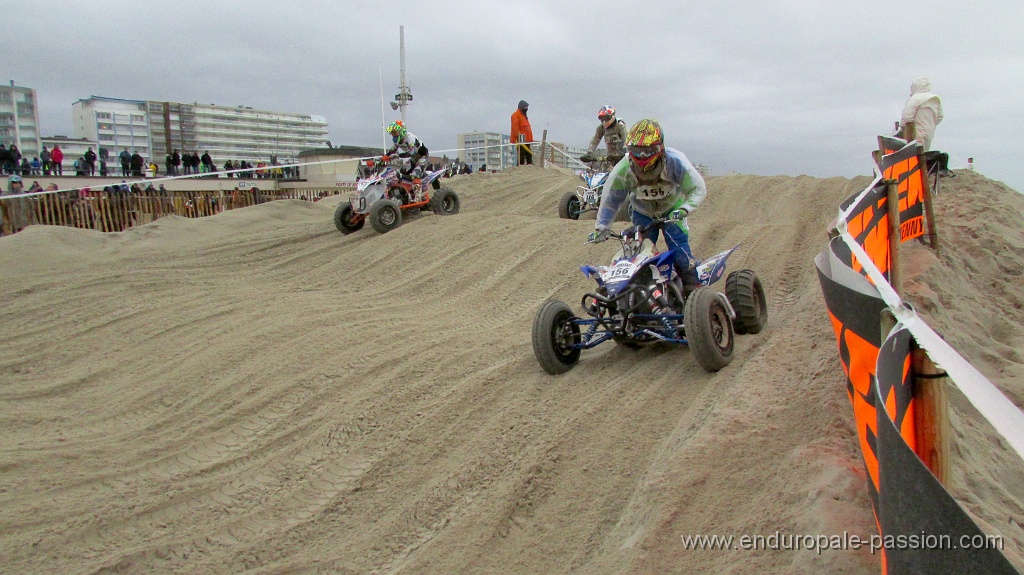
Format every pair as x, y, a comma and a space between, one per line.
522, 133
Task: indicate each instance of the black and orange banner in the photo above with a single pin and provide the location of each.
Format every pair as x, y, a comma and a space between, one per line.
856, 319
902, 163
867, 221
929, 531
912, 509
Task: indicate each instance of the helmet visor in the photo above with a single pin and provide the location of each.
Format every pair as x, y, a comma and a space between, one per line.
644, 157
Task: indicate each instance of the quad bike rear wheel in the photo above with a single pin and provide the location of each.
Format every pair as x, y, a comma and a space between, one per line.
709, 329
347, 221
746, 296
445, 202
569, 206
385, 215
553, 334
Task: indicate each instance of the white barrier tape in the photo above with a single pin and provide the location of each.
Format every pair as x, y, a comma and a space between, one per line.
993, 405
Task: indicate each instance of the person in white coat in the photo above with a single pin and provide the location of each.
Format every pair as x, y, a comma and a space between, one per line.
924, 109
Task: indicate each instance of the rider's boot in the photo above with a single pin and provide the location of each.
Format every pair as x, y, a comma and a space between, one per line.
690, 282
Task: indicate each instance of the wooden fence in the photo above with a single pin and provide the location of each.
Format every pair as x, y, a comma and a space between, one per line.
117, 211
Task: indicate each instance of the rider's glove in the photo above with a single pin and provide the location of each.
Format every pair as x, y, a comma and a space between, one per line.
615, 158
599, 236
385, 159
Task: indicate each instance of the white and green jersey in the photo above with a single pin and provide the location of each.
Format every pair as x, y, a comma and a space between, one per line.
679, 186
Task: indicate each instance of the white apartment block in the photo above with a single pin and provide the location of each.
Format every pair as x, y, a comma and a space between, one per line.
490, 148
19, 119
226, 132
114, 124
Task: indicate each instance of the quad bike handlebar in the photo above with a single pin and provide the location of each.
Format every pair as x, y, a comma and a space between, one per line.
640, 231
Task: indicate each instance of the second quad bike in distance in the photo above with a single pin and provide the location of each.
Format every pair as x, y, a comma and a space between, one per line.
640, 300
382, 196
587, 198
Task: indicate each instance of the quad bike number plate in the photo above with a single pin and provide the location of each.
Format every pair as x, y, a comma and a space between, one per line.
622, 270
590, 196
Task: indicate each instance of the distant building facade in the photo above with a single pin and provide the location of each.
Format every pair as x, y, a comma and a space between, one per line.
114, 124
564, 156
19, 119
155, 129
337, 166
490, 148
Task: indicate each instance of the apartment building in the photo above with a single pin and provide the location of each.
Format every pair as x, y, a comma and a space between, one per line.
490, 148
564, 156
19, 119
226, 132
114, 124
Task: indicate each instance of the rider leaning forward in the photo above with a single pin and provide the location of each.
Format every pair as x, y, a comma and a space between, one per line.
408, 147
613, 132
662, 181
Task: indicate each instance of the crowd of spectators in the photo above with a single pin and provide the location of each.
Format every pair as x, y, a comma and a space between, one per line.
133, 165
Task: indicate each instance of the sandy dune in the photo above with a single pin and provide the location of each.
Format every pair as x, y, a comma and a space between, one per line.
256, 393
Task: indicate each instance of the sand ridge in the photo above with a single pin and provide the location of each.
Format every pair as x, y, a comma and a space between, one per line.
256, 393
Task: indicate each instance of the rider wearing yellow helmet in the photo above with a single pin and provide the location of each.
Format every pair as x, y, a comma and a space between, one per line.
660, 181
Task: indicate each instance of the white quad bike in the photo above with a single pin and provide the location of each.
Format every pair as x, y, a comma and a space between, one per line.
383, 195
587, 198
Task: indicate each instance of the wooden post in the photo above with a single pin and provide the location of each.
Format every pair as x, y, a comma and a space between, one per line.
909, 132
5, 218
895, 278
543, 146
926, 192
931, 414
105, 216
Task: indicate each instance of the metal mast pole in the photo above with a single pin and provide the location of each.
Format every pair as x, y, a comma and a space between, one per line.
404, 96
383, 136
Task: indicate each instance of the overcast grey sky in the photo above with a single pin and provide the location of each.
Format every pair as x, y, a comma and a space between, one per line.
757, 87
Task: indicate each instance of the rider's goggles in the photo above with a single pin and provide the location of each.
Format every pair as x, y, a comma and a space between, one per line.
644, 156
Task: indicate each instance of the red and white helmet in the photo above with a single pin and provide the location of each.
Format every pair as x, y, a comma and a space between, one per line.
606, 114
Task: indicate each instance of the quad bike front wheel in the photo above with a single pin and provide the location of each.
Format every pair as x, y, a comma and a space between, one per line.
347, 221
385, 215
569, 206
445, 202
553, 334
709, 329
746, 296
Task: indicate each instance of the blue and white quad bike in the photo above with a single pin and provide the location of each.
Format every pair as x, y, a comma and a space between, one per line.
382, 196
586, 198
640, 300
